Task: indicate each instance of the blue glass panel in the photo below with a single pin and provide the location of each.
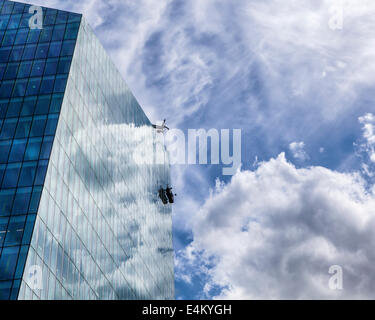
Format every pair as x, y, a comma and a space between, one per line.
11, 175
22, 256
56, 102
42, 106
21, 201
47, 147
14, 108
15, 231
16, 283
11, 71
27, 174
20, 88
21, 36
4, 151
16, 54
3, 229
42, 50
8, 260
28, 106
33, 149
54, 50
51, 66
60, 83
6, 201
5, 288
9, 126
29, 52
6, 88
23, 127
18, 150
41, 173
37, 128
37, 191
47, 84
33, 86
25, 69
38, 68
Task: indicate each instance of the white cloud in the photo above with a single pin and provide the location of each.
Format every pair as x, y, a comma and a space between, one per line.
274, 233
298, 150
368, 122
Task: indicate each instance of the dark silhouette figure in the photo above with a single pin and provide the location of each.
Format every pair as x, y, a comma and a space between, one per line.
170, 195
162, 195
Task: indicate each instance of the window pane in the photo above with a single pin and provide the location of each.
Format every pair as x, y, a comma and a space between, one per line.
47, 84
51, 66
21, 201
9, 37
15, 106
3, 229
21, 260
8, 261
23, 127
33, 36
3, 108
11, 175
20, 88
43, 104
4, 54
41, 173
54, 50
25, 69
35, 198
21, 36
29, 52
6, 201
38, 68
38, 125
28, 106
5, 287
68, 48
6, 88
4, 151
27, 174
16, 54
60, 83
58, 32
18, 150
7, 131
46, 35
33, 149
64, 65
47, 147
41, 52
11, 71
33, 86
56, 102
15, 231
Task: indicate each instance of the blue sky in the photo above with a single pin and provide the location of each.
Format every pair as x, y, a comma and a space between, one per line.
302, 94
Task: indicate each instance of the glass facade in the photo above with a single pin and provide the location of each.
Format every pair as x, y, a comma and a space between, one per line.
80, 216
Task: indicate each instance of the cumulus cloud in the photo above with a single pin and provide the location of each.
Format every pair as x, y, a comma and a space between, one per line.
298, 150
368, 122
274, 232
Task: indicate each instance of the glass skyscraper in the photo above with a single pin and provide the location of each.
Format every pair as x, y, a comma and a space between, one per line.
80, 216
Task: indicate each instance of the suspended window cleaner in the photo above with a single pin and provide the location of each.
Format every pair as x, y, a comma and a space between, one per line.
166, 195
162, 195
170, 194
161, 128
